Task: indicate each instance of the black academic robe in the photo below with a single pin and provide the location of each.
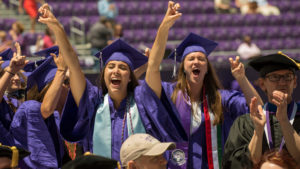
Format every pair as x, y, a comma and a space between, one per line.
236, 152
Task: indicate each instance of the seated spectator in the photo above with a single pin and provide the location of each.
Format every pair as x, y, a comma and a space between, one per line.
99, 34
224, 6
266, 9
44, 42
144, 151
16, 31
248, 49
276, 160
246, 6
4, 42
108, 9
118, 33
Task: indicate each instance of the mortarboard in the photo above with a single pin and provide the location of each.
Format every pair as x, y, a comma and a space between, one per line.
92, 162
273, 62
45, 72
121, 51
48, 51
6, 57
13, 153
193, 43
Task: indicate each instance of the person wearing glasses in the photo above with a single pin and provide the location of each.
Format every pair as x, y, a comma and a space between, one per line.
272, 126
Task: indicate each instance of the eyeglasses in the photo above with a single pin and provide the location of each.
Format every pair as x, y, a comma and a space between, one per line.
66, 81
276, 77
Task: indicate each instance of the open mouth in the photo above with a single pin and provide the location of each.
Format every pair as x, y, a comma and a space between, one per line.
196, 72
115, 81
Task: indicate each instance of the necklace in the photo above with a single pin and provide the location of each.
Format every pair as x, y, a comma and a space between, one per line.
127, 109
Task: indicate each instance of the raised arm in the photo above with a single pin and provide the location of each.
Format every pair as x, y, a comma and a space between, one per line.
77, 79
15, 65
52, 96
291, 137
238, 72
153, 78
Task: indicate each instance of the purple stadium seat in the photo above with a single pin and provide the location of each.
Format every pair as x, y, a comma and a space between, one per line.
79, 9
150, 21
136, 21
158, 7
65, 9
91, 8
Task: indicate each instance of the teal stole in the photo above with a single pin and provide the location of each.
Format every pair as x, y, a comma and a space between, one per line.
102, 127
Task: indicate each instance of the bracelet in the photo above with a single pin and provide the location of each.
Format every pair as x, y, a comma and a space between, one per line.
10, 72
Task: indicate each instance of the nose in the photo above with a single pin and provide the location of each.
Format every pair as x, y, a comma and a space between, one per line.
116, 70
16, 77
163, 161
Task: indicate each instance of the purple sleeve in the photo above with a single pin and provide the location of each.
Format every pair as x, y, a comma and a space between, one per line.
159, 116
234, 103
31, 132
76, 121
6, 114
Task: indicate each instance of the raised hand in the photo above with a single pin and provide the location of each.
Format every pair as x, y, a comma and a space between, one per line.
17, 62
280, 100
59, 61
47, 17
147, 52
172, 14
257, 116
237, 68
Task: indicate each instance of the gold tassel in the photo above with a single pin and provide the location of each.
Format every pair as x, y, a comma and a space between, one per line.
87, 153
15, 157
297, 64
119, 166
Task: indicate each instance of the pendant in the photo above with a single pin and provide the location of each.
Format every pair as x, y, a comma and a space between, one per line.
178, 157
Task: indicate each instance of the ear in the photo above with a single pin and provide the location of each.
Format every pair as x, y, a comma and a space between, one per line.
131, 165
261, 83
295, 81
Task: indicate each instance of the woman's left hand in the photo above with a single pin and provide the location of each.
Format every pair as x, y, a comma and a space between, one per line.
59, 61
237, 68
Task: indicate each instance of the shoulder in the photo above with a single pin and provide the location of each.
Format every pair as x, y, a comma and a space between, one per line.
31, 105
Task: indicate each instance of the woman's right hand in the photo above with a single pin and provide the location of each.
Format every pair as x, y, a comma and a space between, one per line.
172, 15
257, 116
47, 17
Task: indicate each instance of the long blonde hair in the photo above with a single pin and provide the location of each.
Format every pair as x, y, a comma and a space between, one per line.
211, 85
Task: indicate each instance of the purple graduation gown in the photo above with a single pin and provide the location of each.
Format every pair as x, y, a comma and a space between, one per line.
39, 136
234, 105
6, 116
157, 115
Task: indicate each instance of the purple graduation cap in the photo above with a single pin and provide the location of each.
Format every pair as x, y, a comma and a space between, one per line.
48, 51
121, 51
6, 57
193, 43
45, 71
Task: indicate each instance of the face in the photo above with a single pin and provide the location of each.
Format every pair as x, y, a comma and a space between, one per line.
268, 165
4, 162
281, 80
151, 162
116, 76
195, 67
15, 83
